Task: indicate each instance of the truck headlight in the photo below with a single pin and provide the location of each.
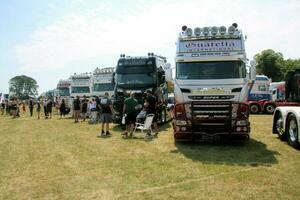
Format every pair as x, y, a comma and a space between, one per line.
188, 111
235, 108
242, 123
180, 123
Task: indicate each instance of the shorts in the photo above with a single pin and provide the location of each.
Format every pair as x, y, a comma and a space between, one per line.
106, 118
130, 118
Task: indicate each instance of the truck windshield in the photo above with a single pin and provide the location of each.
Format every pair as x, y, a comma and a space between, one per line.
143, 79
100, 87
81, 89
210, 70
64, 92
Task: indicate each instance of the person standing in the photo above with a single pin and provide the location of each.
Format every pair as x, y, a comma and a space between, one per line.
94, 112
76, 108
130, 110
7, 107
84, 106
62, 108
14, 107
2, 107
49, 108
106, 113
31, 105
45, 107
151, 103
38, 109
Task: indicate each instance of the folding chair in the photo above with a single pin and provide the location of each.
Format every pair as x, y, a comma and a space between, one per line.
146, 125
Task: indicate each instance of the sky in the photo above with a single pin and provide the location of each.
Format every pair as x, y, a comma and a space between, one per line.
50, 40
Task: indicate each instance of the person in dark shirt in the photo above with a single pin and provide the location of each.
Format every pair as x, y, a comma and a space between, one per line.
129, 110
62, 108
31, 105
106, 113
76, 108
2, 107
38, 109
150, 104
84, 106
49, 107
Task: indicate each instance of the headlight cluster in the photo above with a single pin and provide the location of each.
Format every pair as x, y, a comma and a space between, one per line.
188, 111
235, 108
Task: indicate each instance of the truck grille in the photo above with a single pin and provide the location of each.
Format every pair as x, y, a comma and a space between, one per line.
211, 117
211, 97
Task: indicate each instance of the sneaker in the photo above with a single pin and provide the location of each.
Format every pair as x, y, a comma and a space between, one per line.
156, 134
108, 133
102, 133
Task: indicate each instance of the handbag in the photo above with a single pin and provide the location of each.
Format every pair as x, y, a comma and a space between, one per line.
123, 119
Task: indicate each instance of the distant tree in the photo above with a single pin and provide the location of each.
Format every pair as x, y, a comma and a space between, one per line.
290, 64
23, 87
270, 63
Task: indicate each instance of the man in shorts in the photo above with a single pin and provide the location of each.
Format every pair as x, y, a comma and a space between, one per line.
106, 113
130, 111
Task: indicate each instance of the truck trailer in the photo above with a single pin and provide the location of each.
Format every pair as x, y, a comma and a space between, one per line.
286, 118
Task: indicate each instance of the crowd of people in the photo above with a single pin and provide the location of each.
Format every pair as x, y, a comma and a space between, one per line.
96, 109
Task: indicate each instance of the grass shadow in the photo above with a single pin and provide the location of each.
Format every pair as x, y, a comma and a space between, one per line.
252, 153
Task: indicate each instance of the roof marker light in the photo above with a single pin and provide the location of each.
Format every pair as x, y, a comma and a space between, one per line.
222, 30
214, 30
231, 30
197, 31
205, 31
189, 31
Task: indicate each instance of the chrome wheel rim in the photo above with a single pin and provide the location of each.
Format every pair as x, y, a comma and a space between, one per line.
279, 125
293, 133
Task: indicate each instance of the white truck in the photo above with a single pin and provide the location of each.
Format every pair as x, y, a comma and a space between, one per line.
102, 81
210, 86
286, 117
80, 85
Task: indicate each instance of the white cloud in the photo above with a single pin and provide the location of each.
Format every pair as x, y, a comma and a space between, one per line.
106, 30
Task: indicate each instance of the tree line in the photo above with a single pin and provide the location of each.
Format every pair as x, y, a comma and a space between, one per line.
273, 65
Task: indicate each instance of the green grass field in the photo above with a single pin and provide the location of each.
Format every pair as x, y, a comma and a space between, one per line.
57, 159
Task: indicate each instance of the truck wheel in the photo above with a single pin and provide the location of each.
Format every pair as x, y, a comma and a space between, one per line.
254, 109
270, 108
279, 127
292, 129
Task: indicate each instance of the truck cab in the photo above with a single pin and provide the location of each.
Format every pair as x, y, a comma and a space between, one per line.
211, 84
102, 81
139, 74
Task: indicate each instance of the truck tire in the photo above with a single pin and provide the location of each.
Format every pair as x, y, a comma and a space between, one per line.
292, 131
279, 127
254, 108
270, 108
